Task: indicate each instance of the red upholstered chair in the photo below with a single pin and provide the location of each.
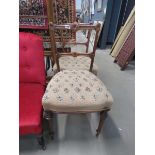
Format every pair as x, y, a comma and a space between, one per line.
31, 85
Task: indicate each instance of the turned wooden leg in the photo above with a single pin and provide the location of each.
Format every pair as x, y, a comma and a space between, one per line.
49, 117
51, 128
102, 118
41, 142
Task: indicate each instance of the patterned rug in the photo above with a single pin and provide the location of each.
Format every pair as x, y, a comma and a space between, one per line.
64, 12
33, 8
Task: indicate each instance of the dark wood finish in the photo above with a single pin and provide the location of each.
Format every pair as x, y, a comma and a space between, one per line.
49, 117
41, 141
50, 10
48, 53
103, 115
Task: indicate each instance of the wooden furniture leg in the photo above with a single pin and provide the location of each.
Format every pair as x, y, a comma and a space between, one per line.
49, 117
41, 141
102, 118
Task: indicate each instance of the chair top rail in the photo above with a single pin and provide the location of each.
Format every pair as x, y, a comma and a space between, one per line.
75, 54
73, 26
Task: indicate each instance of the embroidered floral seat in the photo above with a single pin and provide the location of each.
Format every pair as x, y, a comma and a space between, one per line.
76, 63
76, 91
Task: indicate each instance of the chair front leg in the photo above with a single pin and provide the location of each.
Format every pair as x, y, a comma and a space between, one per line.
49, 117
103, 115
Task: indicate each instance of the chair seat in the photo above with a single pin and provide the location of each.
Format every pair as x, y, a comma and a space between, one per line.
30, 108
76, 91
80, 62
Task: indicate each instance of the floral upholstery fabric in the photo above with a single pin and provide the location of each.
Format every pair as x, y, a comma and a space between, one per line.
80, 62
76, 91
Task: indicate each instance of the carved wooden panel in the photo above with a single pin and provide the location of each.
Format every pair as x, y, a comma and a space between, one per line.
127, 50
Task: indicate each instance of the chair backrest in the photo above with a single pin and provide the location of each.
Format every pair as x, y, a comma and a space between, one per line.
31, 59
63, 30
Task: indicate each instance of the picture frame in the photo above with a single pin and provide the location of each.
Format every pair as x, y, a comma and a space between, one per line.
99, 5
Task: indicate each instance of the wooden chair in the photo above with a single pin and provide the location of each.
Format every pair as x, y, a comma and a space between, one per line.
75, 91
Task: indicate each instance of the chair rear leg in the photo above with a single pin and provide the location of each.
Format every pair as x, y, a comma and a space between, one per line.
51, 128
41, 141
49, 117
103, 115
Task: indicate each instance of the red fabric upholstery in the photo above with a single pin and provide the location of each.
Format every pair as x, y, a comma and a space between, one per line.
30, 108
31, 53
31, 83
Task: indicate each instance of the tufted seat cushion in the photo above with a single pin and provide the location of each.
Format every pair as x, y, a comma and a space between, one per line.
76, 91
31, 58
80, 62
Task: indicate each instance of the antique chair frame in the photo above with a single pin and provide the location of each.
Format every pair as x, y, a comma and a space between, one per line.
75, 27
